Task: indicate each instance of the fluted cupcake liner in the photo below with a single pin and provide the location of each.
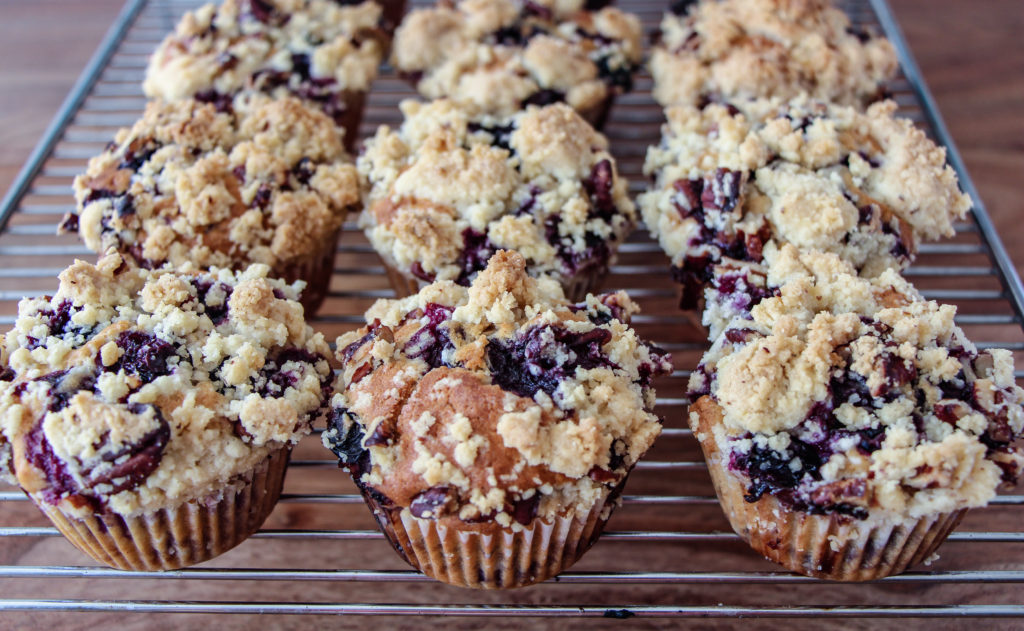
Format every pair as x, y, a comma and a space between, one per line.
316, 268
834, 547
576, 288
486, 555
190, 533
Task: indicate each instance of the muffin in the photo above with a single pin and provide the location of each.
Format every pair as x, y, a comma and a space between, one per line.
849, 424
324, 52
491, 428
503, 55
268, 182
452, 186
150, 413
733, 50
734, 182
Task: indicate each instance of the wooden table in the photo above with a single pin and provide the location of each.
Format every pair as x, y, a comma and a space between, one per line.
972, 55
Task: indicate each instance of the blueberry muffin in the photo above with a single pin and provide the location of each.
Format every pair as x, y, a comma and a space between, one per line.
732, 50
451, 187
502, 55
849, 424
267, 182
322, 51
734, 182
150, 414
491, 428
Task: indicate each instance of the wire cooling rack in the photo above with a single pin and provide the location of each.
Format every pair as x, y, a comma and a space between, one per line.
669, 551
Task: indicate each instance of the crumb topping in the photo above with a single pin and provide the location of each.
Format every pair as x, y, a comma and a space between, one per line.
502, 55
849, 395
266, 183
451, 187
316, 50
732, 50
733, 183
133, 390
501, 401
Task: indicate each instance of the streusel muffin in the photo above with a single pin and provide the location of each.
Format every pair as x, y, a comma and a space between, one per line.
322, 51
268, 182
151, 413
491, 429
502, 55
451, 187
732, 182
728, 50
850, 424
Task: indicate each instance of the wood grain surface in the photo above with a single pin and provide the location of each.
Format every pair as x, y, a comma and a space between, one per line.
972, 54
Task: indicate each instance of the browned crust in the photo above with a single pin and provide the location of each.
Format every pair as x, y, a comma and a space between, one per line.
831, 547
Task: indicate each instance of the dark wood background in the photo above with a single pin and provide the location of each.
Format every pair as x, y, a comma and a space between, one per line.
972, 54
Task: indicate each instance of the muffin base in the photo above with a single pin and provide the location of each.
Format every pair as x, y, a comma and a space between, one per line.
576, 288
486, 555
391, 14
316, 269
172, 538
352, 116
834, 547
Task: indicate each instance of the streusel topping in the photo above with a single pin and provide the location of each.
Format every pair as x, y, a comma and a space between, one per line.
732, 183
133, 390
267, 183
501, 401
311, 49
451, 187
502, 55
729, 50
850, 395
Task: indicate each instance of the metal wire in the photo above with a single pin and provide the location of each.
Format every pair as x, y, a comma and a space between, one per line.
972, 270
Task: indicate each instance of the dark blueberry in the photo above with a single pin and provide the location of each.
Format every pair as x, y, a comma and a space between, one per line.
599, 187
898, 371
680, 7
544, 97
544, 356
501, 135
431, 342
525, 510
145, 355
433, 503
350, 350
221, 102
39, 452
593, 257
266, 12
957, 388
871, 439
620, 76
770, 472
477, 249
217, 313
68, 224
740, 336
135, 158
347, 442
274, 379
300, 65
262, 197
64, 385
861, 34
532, 8
530, 204
304, 171
617, 454
850, 387
100, 193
